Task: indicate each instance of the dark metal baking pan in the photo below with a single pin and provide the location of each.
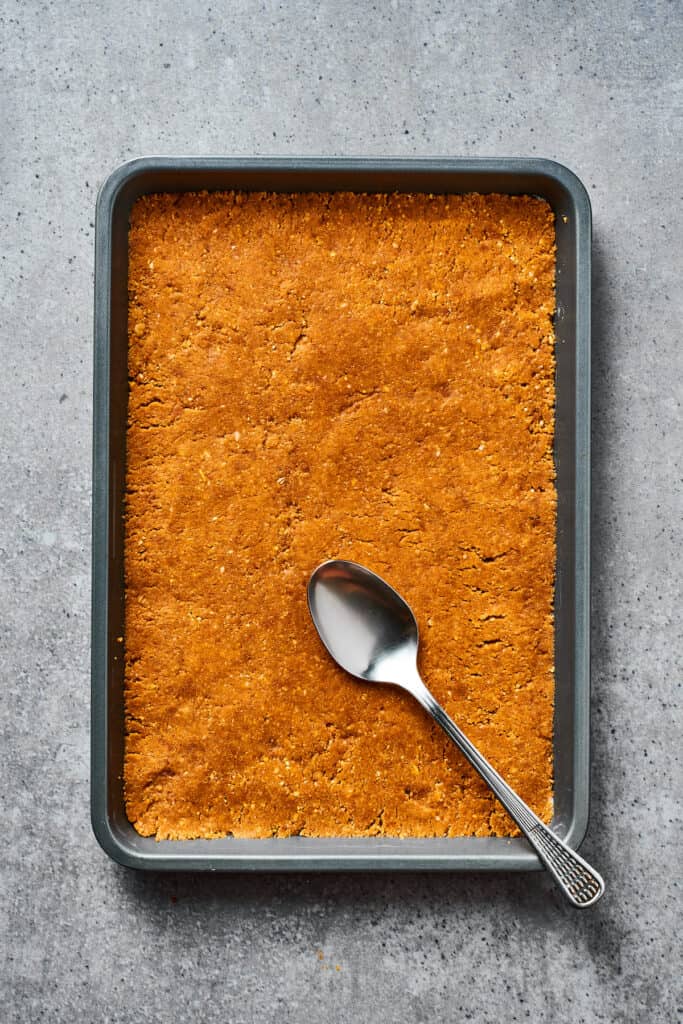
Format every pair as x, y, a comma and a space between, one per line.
569, 200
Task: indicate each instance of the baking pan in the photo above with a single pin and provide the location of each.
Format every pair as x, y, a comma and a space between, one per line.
568, 198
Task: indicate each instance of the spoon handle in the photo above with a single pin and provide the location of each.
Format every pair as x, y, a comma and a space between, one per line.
581, 884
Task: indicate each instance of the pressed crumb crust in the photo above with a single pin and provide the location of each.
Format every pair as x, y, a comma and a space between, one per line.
336, 375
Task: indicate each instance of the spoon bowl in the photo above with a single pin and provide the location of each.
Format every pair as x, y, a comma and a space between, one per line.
371, 632
367, 627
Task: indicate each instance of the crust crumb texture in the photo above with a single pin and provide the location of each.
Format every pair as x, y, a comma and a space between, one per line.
316, 376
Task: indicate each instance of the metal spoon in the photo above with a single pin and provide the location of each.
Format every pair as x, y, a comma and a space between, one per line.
371, 632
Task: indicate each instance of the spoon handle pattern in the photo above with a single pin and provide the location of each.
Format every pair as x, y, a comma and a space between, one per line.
581, 884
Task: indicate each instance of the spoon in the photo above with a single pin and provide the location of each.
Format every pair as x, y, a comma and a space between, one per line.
371, 632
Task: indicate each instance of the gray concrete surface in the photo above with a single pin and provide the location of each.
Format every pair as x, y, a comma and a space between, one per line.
87, 85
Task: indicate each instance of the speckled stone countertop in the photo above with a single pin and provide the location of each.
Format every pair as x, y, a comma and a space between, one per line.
86, 86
